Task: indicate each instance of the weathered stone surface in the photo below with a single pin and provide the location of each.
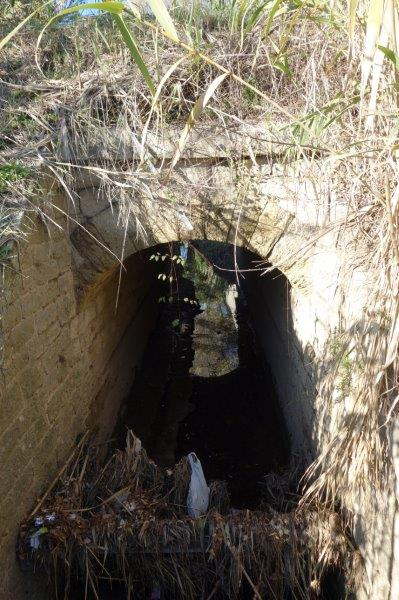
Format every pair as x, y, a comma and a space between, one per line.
57, 378
69, 353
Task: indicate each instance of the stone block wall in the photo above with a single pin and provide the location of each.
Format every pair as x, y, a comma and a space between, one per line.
297, 326
270, 306
66, 366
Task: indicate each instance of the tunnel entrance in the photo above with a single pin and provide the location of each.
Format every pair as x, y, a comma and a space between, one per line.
118, 523
204, 386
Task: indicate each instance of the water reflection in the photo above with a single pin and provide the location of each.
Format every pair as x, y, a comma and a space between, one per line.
215, 337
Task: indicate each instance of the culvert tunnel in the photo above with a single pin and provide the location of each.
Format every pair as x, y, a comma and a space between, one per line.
209, 382
188, 347
204, 356
205, 383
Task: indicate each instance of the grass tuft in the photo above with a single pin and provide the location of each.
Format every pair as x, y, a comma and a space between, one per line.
10, 173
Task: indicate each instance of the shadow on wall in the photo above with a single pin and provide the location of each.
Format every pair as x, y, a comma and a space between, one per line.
292, 366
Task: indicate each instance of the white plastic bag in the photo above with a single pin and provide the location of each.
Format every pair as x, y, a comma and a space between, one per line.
198, 492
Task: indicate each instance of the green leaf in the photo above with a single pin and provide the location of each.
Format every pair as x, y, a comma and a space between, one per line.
11, 172
390, 54
252, 20
110, 7
283, 66
270, 18
115, 9
134, 51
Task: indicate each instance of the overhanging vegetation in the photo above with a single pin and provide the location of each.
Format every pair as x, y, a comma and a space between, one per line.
312, 107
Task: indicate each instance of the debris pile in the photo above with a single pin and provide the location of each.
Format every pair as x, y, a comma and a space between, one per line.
127, 521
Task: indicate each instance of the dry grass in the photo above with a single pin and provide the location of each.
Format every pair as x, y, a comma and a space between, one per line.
127, 521
89, 110
63, 115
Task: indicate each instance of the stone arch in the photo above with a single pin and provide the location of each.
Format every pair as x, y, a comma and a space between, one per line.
104, 230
